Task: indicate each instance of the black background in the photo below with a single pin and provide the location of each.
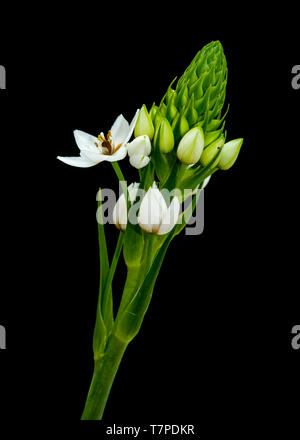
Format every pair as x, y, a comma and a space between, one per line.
215, 346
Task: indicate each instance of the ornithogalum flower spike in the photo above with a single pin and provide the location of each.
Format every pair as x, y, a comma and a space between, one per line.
178, 144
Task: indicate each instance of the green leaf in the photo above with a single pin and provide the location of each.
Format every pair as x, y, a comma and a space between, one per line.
100, 331
130, 320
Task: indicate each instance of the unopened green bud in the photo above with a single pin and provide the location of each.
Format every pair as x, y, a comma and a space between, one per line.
212, 136
214, 124
144, 125
190, 113
172, 111
152, 112
230, 153
210, 152
164, 137
180, 126
191, 146
183, 96
157, 119
163, 109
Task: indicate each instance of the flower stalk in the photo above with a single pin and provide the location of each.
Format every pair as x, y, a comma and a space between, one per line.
178, 145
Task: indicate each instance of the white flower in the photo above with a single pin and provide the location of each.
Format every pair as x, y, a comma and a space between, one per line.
95, 150
120, 210
138, 151
154, 215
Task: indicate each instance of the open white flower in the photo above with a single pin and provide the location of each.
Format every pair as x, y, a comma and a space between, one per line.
120, 210
154, 215
139, 150
94, 150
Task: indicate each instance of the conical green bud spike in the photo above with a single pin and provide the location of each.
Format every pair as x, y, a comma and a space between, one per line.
144, 125
229, 154
206, 78
180, 126
164, 137
210, 152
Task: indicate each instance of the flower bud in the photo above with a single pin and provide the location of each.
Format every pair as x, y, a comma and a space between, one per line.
229, 153
172, 111
164, 137
138, 151
152, 112
139, 145
119, 214
211, 136
191, 146
144, 125
180, 126
210, 152
191, 114
158, 119
154, 215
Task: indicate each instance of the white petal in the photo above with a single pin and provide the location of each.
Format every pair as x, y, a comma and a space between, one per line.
132, 191
86, 141
99, 157
120, 130
140, 145
151, 210
120, 210
120, 213
77, 161
205, 182
118, 155
139, 161
132, 126
170, 217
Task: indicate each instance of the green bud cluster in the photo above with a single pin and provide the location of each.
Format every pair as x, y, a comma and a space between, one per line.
200, 92
189, 117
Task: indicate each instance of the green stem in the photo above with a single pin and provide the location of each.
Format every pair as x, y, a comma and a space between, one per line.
111, 273
120, 176
103, 377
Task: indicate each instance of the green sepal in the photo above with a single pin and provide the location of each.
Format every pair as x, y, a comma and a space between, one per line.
133, 245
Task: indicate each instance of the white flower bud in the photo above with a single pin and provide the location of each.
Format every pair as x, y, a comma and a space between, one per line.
120, 210
191, 146
138, 151
154, 215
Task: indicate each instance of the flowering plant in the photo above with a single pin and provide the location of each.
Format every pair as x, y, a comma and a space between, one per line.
177, 146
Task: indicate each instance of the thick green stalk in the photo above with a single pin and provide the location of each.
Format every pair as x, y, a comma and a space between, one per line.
103, 377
